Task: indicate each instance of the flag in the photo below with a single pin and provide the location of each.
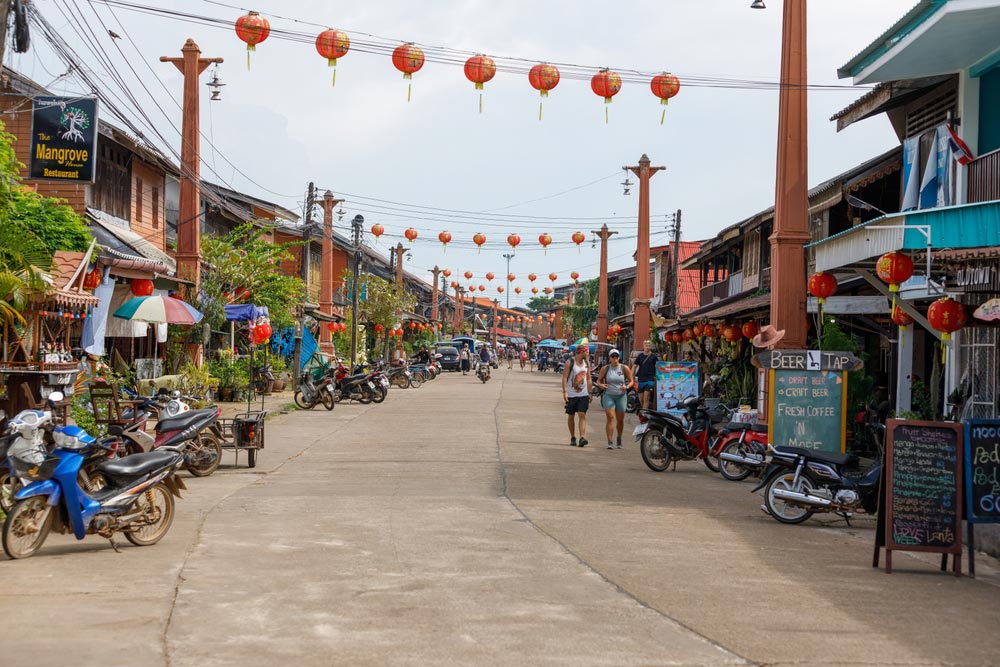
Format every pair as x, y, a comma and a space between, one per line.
911, 178
929, 183
959, 150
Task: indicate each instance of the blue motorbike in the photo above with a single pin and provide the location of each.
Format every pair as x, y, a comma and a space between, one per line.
133, 495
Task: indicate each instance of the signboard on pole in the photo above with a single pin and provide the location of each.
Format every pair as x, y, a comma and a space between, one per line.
675, 381
63, 139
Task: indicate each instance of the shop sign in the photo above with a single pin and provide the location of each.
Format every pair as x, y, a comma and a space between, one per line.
807, 360
63, 139
977, 276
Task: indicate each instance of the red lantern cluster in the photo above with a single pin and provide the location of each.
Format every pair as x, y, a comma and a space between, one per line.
339, 327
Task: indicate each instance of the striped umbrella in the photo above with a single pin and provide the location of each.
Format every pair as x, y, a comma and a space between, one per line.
158, 310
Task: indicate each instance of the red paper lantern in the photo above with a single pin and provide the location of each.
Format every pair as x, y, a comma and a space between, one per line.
543, 77
482, 288
490, 276
333, 44
606, 84
677, 337
141, 287
732, 333
534, 290
575, 276
517, 290
553, 277
532, 277
260, 333
410, 234
578, 239
479, 240
545, 240
92, 280
445, 239
378, 230
664, 86
513, 240
822, 285
379, 328
900, 317
468, 275
708, 331
511, 277
750, 329
446, 273
479, 69
499, 289
894, 268
454, 284
547, 290
697, 329
332, 327
688, 335
408, 59
947, 316
253, 29
242, 293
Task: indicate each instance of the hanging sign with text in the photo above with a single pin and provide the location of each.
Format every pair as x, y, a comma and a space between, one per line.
807, 409
982, 470
924, 481
63, 139
808, 360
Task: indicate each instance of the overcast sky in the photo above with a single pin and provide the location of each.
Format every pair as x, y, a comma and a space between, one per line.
283, 124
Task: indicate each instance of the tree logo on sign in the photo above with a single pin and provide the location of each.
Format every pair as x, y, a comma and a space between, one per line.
75, 120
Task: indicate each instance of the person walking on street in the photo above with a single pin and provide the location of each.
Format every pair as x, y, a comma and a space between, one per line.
399, 354
644, 371
614, 380
524, 359
577, 389
510, 357
466, 358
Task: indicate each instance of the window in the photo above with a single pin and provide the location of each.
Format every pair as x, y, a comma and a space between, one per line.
156, 208
138, 200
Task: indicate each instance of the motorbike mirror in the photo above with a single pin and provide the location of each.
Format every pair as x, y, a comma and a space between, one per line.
175, 394
55, 397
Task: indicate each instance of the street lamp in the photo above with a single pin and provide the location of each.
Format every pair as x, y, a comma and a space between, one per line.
758, 4
508, 257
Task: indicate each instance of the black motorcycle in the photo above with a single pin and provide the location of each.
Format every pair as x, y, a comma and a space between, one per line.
801, 482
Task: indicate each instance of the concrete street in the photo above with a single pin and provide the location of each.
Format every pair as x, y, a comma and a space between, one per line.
454, 525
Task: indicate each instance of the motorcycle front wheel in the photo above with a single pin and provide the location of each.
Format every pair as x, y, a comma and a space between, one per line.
203, 455
367, 395
712, 460
633, 404
415, 382
735, 472
9, 485
380, 393
327, 398
27, 526
781, 510
156, 507
301, 401
400, 380
654, 453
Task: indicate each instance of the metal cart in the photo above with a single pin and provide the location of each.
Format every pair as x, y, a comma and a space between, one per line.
244, 432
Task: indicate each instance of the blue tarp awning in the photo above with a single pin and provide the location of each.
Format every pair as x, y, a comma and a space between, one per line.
244, 312
551, 342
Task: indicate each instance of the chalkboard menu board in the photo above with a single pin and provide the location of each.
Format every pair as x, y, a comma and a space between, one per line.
807, 409
982, 470
924, 476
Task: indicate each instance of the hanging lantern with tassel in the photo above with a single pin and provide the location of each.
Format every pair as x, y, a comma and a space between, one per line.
543, 77
947, 316
480, 69
408, 59
333, 44
253, 29
445, 239
665, 86
606, 84
479, 240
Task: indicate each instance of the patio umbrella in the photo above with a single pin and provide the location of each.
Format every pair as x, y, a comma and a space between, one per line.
158, 310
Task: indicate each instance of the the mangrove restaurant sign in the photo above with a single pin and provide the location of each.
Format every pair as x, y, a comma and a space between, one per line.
63, 139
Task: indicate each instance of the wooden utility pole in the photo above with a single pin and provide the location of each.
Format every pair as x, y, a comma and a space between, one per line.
791, 199
191, 65
643, 295
434, 294
399, 263
326, 269
459, 309
602, 286
496, 304
4, 17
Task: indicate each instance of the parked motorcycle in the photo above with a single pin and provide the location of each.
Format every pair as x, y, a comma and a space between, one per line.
664, 439
802, 482
400, 376
353, 387
742, 450
315, 386
137, 498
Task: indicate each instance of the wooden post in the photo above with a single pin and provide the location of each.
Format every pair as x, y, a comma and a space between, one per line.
434, 294
602, 292
326, 269
399, 263
643, 295
191, 65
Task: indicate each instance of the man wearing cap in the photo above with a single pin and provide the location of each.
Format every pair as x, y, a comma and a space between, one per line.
614, 380
644, 371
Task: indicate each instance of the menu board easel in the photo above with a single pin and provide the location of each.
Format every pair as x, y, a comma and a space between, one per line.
982, 478
922, 482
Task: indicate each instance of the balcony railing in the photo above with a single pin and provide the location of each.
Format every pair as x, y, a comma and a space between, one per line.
984, 178
725, 288
735, 283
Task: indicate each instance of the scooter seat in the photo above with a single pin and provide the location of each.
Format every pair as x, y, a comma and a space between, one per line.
739, 426
138, 465
184, 420
835, 458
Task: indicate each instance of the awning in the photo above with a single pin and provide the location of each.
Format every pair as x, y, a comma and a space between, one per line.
740, 305
127, 242
965, 226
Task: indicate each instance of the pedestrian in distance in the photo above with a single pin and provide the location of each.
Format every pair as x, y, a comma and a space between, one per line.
577, 392
399, 354
466, 358
524, 359
484, 358
644, 371
510, 357
614, 380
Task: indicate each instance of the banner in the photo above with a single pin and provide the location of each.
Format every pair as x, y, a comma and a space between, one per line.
675, 381
63, 139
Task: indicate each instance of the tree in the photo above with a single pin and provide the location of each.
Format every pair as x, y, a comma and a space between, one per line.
55, 224
583, 312
244, 260
542, 303
384, 300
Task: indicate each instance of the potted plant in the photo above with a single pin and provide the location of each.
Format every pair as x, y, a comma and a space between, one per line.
241, 379
279, 370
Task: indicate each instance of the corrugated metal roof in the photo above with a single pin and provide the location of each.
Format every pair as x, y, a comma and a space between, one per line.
910, 21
